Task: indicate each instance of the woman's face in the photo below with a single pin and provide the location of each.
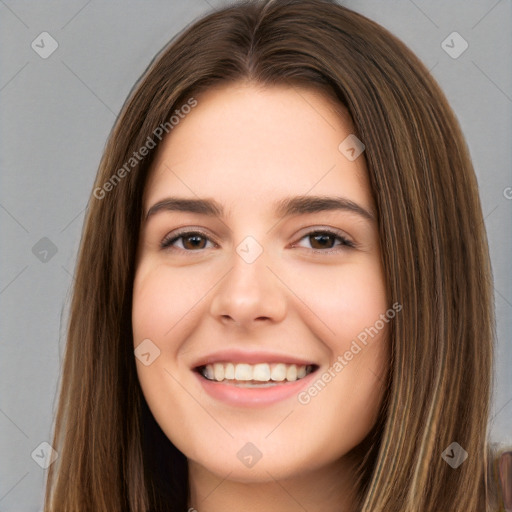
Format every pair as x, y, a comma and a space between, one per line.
239, 291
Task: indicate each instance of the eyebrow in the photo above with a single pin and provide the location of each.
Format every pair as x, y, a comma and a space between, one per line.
287, 207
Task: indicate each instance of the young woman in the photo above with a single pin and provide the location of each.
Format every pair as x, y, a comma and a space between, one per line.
283, 291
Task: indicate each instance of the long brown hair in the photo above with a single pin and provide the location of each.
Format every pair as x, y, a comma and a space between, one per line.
112, 454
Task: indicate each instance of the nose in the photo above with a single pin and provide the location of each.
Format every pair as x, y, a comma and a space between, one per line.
249, 295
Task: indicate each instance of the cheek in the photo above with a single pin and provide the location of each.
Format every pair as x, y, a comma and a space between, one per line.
350, 401
163, 300
352, 304
347, 300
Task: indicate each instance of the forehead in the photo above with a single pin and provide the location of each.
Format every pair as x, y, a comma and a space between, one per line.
248, 142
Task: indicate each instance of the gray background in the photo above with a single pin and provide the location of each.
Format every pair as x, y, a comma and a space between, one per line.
57, 113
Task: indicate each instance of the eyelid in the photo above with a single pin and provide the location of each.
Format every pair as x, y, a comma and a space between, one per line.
347, 242
180, 233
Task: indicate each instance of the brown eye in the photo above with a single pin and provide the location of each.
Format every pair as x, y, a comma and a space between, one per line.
322, 241
190, 241
193, 242
325, 241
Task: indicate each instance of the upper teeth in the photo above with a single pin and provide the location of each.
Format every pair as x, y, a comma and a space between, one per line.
262, 372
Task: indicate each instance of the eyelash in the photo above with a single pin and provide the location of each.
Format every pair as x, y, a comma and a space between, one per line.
345, 242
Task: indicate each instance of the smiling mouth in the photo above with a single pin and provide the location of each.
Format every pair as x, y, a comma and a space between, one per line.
254, 375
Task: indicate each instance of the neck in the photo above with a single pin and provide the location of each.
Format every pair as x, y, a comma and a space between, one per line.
329, 489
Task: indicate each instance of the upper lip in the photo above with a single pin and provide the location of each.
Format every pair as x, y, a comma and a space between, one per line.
241, 356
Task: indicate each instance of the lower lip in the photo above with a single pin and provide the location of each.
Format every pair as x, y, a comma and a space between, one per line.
253, 397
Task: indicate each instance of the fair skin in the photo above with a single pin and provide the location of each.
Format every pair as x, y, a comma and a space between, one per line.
302, 298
